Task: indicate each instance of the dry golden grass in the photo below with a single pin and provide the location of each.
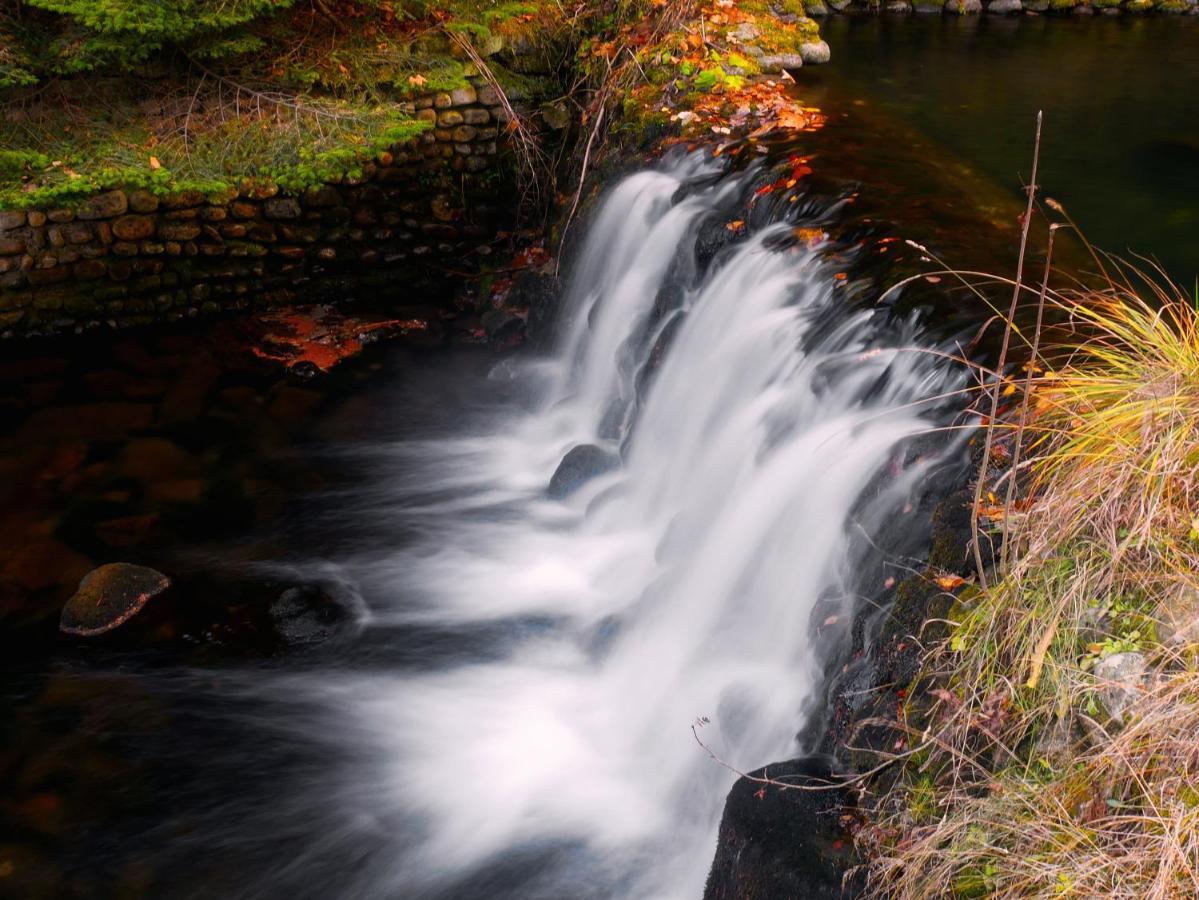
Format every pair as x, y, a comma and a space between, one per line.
1028, 785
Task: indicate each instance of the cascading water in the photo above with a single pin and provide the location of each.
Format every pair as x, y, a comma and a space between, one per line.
762, 425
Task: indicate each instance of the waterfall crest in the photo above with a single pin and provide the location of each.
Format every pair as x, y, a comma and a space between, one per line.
763, 427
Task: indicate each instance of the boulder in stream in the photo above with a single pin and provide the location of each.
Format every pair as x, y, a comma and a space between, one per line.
778, 842
110, 596
579, 466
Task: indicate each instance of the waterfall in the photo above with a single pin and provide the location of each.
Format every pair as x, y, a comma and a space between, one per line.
763, 425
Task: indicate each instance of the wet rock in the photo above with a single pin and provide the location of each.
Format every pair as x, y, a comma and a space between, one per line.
711, 239
555, 115
307, 615
1121, 678
963, 7
775, 63
776, 843
539, 293
579, 466
502, 325
815, 53
1005, 7
110, 596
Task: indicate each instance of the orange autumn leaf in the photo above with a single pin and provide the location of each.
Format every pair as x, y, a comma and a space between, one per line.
735, 225
948, 582
417, 80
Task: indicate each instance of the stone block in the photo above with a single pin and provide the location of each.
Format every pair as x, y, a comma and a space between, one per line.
104, 206
463, 96
178, 231
476, 116
133, 228
141, 201
281, 208
183, 200
449, 118
243, 209
10, 219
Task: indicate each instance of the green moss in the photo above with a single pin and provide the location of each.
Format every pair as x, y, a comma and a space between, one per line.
290, 159
1058, 5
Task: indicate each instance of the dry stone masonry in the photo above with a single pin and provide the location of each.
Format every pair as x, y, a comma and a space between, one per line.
129, 257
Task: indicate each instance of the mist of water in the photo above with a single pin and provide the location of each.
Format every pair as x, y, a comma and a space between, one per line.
764, 429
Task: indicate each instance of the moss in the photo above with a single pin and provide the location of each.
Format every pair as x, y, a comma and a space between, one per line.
49, 186
1058, 5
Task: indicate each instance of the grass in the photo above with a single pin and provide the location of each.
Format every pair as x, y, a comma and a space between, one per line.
1037, 775
74, 141
313, 102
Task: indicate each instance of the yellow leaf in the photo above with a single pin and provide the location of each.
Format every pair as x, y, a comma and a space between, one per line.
417, 80
949, 582
154, 163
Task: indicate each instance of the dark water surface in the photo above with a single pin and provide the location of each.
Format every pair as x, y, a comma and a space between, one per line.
1121, 136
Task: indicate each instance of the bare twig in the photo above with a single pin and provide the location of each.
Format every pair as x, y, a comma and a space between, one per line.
1031, 190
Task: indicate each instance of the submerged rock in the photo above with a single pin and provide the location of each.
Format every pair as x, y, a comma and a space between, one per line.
776, 842
306, 615
579, 466
110, 596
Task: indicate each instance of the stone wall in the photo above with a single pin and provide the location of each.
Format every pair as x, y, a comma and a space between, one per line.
128, 257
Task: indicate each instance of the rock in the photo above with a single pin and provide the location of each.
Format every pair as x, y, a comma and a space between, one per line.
141, 201
306, 615
774, 63
133, 228
11, 219
463, 96
580, 465
815, 53
774, 842
899, 7
746, 32
104, 206
963, 7
540, 294
556, 116
281, 208
502, 326
1120, 678
110, 596
1005, 7
815, 8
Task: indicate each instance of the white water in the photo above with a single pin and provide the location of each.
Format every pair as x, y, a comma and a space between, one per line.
682, 585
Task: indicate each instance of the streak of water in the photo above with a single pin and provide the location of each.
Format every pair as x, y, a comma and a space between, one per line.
761, 425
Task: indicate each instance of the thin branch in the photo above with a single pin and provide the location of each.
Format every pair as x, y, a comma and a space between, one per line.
1031, 189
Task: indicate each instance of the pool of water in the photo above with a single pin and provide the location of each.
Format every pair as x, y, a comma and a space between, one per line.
1121, 136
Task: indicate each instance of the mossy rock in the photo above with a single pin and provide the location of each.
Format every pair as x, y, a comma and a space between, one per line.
1138, 6
1174, 7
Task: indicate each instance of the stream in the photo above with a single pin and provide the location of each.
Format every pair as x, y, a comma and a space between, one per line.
411, 652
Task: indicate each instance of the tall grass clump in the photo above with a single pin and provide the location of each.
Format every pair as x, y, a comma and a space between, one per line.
1056, 727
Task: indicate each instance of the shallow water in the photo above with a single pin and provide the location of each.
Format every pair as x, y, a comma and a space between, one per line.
1120, 147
